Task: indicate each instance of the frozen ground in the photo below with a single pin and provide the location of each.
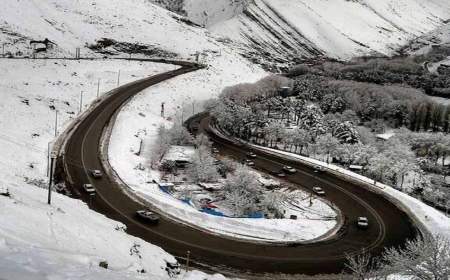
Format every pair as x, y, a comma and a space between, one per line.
65, 240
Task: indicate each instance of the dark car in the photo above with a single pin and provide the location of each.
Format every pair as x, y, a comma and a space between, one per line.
148, 216
278, 173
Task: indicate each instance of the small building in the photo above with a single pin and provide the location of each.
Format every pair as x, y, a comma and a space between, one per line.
354, 167
385, 136
211, 186
42, 46
181, 155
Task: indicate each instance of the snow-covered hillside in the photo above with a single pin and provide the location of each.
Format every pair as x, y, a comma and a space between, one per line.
31, 90
337, 28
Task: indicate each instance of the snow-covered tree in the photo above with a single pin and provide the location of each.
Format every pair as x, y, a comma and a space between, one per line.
226, 166
179, 135
425, 258
243, 190
346, 132
202, 168
160, 147
312, 119
327, 144
272, 132
273, 203
202, 140
301, 139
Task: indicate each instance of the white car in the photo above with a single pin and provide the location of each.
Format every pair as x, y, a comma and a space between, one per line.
318, 191
289, 169
89, 188
362, 222
248, 162
96, 174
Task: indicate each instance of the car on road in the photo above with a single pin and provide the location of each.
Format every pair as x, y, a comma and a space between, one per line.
362, 222
89, 188
289, 169
278, 173
96, 174
148, 216
318, 191
251, 155
319, 169
248, 162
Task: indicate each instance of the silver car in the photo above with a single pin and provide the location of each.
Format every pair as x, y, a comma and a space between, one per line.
96, 174
89, 188
289, 169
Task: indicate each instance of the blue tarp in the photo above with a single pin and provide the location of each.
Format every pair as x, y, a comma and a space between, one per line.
256, 215
164, 189
212, 212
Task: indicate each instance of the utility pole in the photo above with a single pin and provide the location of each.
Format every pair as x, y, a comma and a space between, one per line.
48, 159
193, 107
3, 52
98, 88
81, 101
56, 123
187, 260
118, 79
50, 180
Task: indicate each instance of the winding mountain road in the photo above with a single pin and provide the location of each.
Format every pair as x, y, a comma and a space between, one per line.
389, 225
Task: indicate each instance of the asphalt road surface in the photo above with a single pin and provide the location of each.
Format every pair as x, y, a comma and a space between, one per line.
389, 226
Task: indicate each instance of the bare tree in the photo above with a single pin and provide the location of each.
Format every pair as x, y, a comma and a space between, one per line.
363, 267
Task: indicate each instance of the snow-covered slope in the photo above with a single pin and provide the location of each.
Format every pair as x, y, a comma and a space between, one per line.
68, 240
78, 24
338, 28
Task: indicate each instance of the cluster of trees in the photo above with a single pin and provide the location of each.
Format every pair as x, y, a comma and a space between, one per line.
394, 105
384, 71
425, 258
